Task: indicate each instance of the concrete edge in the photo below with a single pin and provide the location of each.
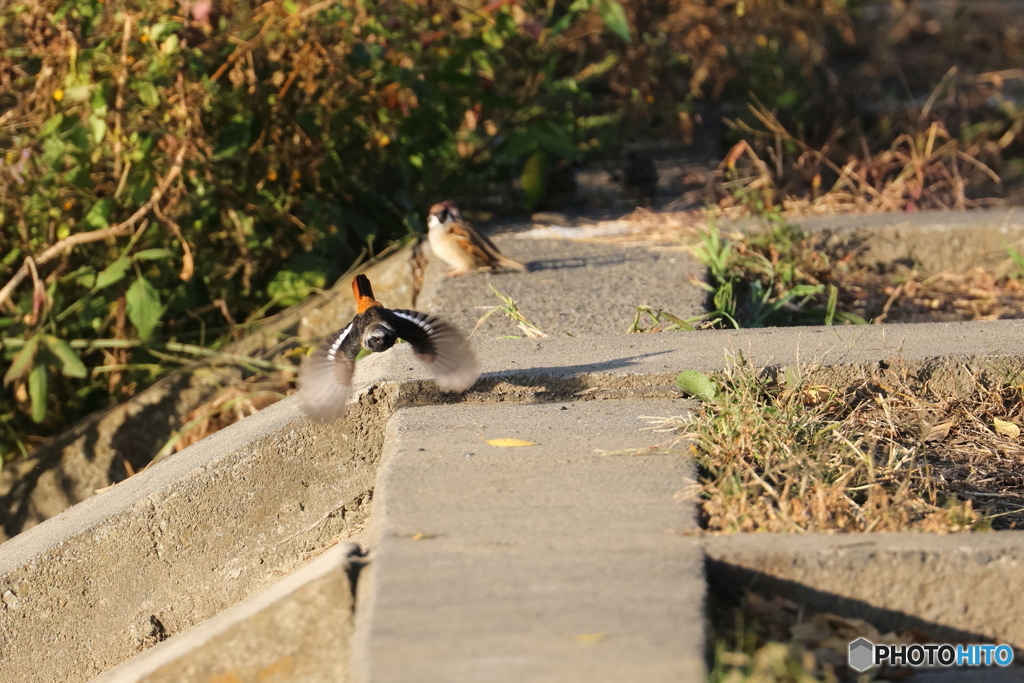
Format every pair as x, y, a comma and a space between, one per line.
179, 646
627, 363
85, 515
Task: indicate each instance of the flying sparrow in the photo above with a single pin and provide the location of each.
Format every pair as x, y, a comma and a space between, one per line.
460, 246
326, 376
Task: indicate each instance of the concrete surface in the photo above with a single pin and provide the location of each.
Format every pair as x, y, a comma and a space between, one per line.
550, 562
572, 288
960, 586
296, 630
932, 241
221, 520
183, 540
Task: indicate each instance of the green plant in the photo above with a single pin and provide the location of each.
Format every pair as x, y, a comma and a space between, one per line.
511, 310
1018, 261
769, 278
649, 319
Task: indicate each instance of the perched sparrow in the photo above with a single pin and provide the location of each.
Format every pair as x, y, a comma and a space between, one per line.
460, 246
326, 376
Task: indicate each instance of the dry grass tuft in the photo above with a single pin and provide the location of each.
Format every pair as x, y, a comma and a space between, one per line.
784, 454
909, 297
923, 168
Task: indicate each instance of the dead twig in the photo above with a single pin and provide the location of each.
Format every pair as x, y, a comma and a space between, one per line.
187, 262
72, 241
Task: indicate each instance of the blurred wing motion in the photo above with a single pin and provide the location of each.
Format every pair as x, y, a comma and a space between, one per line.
481, 247
439, 346
325, 380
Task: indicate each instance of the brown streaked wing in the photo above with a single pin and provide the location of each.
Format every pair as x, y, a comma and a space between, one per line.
472, 242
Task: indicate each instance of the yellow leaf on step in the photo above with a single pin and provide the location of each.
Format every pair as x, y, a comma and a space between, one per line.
510, 443
1006, 428
590, 637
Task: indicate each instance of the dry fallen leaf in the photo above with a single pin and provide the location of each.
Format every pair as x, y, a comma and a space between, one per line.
1006, 428
938, 432
509, 443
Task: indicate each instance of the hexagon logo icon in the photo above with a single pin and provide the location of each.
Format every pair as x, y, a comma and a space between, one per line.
862, 654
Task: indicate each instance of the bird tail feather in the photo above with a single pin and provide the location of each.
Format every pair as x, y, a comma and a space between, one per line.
363, 293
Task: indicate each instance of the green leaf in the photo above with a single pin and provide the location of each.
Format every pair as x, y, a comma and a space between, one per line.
697, 384
99, 214
98, 126
297, 281
113, 273
555, 140
37, 391
70, 364
144, 309
614, 18
153, 254
148, 94
79, 93
51, 125
534, 178
22, 361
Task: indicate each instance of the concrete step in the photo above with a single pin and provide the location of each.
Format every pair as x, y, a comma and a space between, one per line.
573, 288
561, 561
296, 630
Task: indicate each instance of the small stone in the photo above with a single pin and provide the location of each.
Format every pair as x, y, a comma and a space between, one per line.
11, 600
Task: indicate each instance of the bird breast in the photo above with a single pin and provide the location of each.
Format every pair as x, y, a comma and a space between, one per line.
446, 247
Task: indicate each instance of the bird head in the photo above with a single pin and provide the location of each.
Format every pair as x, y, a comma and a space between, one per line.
443, 213
379, 337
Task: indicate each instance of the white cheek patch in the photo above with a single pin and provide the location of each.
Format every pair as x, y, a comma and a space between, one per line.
422, 324
433, 221
333, 350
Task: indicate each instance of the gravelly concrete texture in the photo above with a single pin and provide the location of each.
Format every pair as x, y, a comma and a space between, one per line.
296, 630
551, 562
575, 288
930, 240
181, 541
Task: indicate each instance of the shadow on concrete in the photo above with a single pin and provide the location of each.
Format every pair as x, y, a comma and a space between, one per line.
728, 584
541, 385
67, 469
540, 265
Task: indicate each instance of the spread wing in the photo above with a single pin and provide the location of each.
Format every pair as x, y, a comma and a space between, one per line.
325, 380
439, 346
